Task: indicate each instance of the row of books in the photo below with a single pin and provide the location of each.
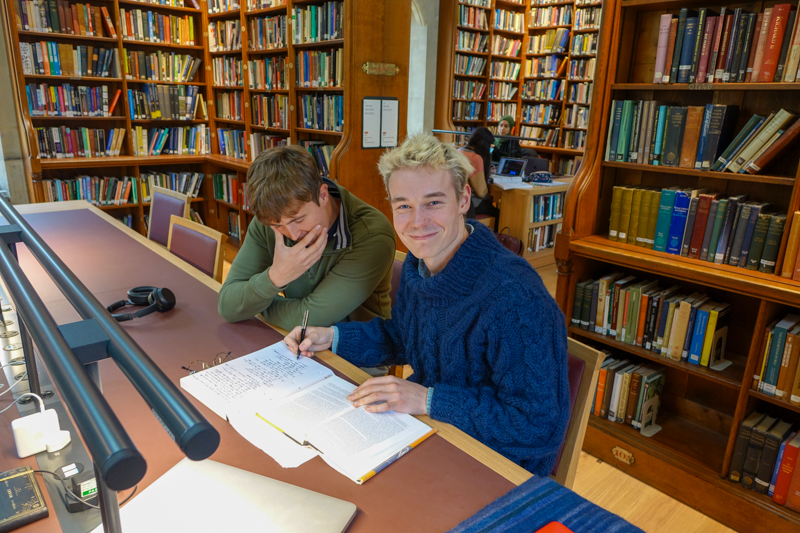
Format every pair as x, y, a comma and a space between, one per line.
550, 16
470, 65
59, 16
568, 166
550, 42
473, 17
584, 44
59, 59
504, 46
467, 110
227, 71
321, 152
580, 93
164, 102
126, 219
699, 224
547, 207
509, 20
226, 188
194, 216
507, 70
187, 183
542, 237
623, 389
543, 90
233, 225
581, 69
313, 24
230, 105
153, 27
62, 142
468, 89
320, 68
588, 18
765, 458
495, 111
185, 140
671, 322
648, 132
482, 3
776, 373
253, 5
68, 100
160, 66
95, 190
268, 73
221, 6
541, 114
545, 67
468, 41
575, 140
174, 3
267, 33
264, 141
500, 90
232, 143
576, 117
321, 112
732, 46
544, 136
224, 36
271, 111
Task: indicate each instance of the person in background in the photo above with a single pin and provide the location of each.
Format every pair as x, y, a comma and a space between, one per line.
478, 152
312, 245
506, 147
487, 343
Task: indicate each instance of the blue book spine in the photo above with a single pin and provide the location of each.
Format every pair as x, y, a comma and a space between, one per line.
687, 343
687, 50
664, 219
662, 325
678, 223
774, 362
662, 122
701, 146
698, 336
778, 462
617, 118
748, 235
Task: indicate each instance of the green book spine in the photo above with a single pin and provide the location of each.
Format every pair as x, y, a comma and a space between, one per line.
718, 222
636, 207
644, 218
577, 304
664, 220
673, 136
759, 239
616, 203
625, 214
632, 320
625, 131
586, 304
652, 221
771, 244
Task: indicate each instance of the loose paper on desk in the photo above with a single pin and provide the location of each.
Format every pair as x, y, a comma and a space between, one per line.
511, 182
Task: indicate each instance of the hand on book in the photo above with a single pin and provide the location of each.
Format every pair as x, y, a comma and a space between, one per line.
389, 393
316, 340
288, 264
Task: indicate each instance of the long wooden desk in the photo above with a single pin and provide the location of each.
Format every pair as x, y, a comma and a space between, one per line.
443, 481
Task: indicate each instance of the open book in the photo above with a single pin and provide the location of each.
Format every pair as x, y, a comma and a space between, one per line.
308, 404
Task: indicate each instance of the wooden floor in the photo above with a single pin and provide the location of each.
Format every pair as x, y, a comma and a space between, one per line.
602, 484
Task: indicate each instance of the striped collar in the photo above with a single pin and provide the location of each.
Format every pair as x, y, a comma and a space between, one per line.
339, 233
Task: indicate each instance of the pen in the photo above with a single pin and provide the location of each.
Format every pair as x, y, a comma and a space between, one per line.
302, 332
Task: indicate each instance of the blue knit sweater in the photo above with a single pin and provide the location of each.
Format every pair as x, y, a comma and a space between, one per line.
489, 339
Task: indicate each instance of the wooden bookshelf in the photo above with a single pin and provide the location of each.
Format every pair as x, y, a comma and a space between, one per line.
690, 457
370, 32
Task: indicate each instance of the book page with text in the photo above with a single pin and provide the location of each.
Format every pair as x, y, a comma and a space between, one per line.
268, 374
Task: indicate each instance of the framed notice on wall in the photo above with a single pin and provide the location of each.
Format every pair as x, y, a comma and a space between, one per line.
379, 122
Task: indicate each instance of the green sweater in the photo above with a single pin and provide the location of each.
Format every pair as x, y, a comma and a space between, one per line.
351, 281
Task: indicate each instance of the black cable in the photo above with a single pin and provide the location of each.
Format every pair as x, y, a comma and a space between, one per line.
63, 483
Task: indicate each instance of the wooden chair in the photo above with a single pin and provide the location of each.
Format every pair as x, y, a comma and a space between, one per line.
163, 204
198, 245
397, 270
584, 365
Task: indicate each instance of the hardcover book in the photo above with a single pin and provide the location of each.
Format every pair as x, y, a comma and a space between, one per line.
22, 501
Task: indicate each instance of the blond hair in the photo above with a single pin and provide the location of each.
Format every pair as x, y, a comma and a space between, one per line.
426, 151
280, 181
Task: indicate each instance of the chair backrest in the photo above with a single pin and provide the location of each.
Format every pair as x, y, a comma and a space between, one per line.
397, 270
163, 204
198, 245
583, 367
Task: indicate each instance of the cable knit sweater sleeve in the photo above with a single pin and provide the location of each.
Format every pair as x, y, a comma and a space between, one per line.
522, 409
373, 343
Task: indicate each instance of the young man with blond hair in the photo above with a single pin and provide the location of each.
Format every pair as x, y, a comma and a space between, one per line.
487, 343
324, 249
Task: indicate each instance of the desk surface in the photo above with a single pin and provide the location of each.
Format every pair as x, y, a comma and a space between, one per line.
443, 481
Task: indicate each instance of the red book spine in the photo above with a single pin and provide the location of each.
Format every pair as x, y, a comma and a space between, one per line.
772, 48
785, 472
114, 103
752, 59
723, 48
705, 51
703, 208
774, 148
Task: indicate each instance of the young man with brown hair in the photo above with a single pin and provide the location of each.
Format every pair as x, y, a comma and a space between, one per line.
326, 250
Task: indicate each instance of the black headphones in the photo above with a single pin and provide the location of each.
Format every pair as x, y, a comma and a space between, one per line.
155, 299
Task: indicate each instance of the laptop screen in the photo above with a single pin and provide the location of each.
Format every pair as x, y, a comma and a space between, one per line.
511, 167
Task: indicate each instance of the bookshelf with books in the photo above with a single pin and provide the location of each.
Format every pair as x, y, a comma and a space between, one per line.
550, 97
690, 179
204, 85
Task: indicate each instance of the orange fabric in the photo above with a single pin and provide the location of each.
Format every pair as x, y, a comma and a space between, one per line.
555, 527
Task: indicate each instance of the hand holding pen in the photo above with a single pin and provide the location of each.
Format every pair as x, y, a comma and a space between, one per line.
302, 332
316, 340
